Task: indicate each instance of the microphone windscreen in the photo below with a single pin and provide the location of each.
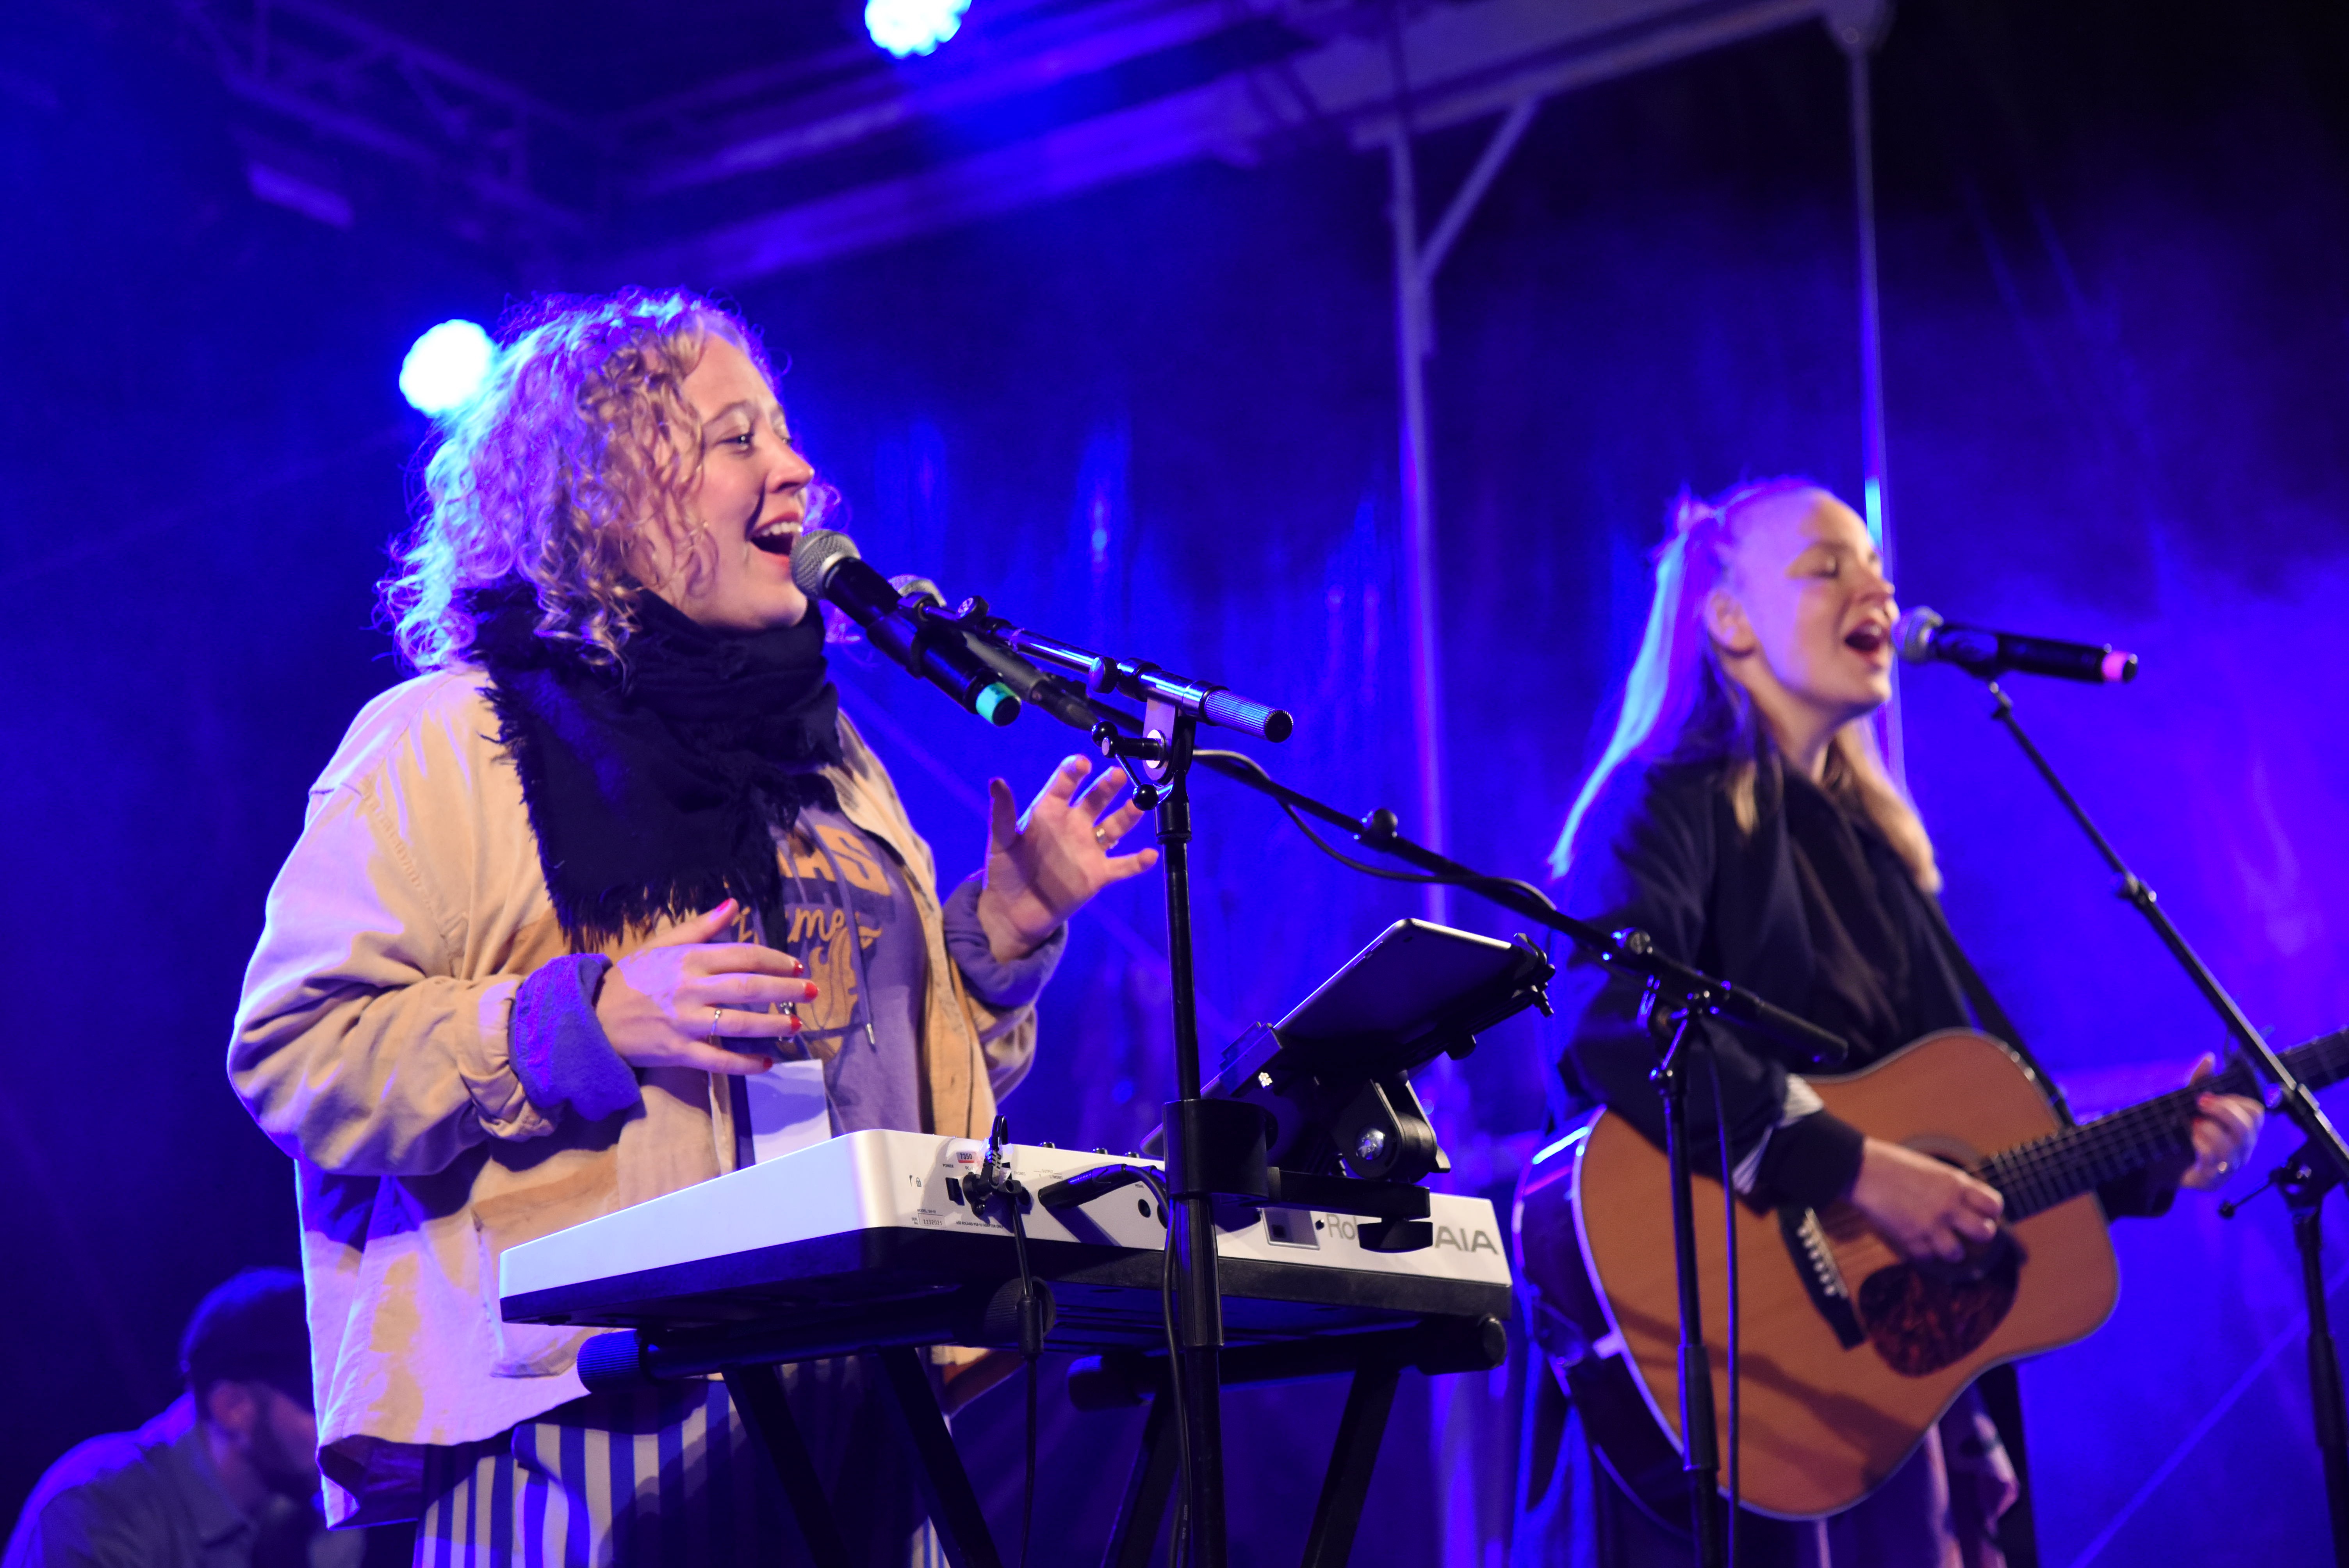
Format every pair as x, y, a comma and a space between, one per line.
814, 556
1914, 634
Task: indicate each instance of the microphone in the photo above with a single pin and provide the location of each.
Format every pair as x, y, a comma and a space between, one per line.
1925, 638
826, 566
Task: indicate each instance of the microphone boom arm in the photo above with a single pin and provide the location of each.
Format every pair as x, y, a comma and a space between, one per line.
1102, 675
2294, 1098
1629, 952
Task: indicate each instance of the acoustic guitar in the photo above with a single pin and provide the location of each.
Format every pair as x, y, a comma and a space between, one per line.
1848, 1354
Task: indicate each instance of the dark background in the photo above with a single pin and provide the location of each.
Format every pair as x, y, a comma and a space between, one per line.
1161, 418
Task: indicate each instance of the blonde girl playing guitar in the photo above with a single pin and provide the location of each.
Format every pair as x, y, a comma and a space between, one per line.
1742, 817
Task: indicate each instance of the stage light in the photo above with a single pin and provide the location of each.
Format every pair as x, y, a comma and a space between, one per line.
445, 367
912, 27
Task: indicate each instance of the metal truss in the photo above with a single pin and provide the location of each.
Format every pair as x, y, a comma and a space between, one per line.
1457, 63
506, 155
499, 161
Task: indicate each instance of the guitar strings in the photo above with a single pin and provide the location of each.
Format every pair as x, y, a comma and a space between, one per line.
2048, 1171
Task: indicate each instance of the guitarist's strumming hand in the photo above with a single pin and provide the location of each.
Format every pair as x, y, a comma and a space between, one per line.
1925, 1207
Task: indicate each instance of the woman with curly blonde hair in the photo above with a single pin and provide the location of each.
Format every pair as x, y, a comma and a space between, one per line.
609, 900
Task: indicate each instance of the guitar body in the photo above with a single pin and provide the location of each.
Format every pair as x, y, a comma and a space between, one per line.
1822, 1423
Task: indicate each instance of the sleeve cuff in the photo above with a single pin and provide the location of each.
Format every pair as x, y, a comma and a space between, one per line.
558, 1046
2145, 1193
1004, 986
1812, 1160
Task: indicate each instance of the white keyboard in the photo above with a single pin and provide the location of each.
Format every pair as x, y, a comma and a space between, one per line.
878, 1216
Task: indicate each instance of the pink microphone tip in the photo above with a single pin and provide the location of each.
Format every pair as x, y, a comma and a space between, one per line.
2120, 667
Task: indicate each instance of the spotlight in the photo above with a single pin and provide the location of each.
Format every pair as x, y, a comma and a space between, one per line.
912, 27
445, 367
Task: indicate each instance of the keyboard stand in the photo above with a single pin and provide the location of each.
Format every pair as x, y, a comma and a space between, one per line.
1376, 1363
901, 1383
750, 1354
757, 1396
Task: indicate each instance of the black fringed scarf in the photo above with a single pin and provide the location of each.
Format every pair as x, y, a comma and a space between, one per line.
656, 788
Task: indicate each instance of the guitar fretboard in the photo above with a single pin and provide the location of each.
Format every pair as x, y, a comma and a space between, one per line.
2049, 1171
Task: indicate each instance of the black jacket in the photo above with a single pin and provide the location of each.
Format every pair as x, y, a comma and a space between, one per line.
1661, 850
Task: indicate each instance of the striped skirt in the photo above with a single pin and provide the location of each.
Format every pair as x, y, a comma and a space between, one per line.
670, 1475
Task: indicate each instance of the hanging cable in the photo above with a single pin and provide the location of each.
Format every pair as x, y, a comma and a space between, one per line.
994, 1179
1180, 1532
1729, 1252
1387, 873
1031, 1349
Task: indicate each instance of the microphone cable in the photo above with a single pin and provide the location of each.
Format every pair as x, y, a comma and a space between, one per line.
1178, 1537
1386, 873
1729, 1252
1014, 1193
1030, 1350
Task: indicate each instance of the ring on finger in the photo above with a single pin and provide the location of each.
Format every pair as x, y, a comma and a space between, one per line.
1100, 837
714, 1013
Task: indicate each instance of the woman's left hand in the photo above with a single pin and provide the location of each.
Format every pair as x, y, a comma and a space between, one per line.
2225, 1127
1044, 866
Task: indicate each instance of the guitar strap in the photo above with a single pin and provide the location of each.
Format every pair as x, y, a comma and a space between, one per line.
1992, 1016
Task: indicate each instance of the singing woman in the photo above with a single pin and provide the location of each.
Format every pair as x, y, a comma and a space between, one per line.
1743, 816
612, 860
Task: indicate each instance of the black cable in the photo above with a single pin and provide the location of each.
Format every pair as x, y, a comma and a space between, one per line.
1175, 1542
1471, 881
1031, 1347
1729, 1249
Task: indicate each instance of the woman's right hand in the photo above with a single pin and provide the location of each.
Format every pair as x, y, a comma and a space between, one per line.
662, 1005
1926, 1208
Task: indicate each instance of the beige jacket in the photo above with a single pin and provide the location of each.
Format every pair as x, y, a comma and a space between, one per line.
371, 1044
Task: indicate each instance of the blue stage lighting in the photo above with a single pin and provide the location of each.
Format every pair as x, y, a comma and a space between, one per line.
445, 367
912, 27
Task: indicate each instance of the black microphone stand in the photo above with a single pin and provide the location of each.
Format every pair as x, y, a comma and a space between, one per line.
2321, 1164
1208, 1142
1675, 996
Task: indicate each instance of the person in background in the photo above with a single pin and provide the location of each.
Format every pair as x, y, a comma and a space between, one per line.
226, 1476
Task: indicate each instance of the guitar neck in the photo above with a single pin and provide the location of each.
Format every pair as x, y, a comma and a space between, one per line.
2049, 1171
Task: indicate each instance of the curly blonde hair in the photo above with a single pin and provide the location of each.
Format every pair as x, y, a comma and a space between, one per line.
580, 439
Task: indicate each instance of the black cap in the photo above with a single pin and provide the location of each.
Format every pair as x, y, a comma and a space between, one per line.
250, 1330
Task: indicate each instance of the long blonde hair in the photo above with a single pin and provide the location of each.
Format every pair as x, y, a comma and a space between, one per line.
1680, 703
581, 436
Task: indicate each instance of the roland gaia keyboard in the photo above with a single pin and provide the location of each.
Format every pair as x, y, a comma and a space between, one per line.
874, 1218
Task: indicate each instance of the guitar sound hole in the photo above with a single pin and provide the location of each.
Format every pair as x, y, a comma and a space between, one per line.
1923, 1317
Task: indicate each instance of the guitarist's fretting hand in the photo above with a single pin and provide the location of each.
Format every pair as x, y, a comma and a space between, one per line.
1924, 1207
2225, 1127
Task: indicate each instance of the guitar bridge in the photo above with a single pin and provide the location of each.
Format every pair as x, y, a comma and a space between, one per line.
1807, 1243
